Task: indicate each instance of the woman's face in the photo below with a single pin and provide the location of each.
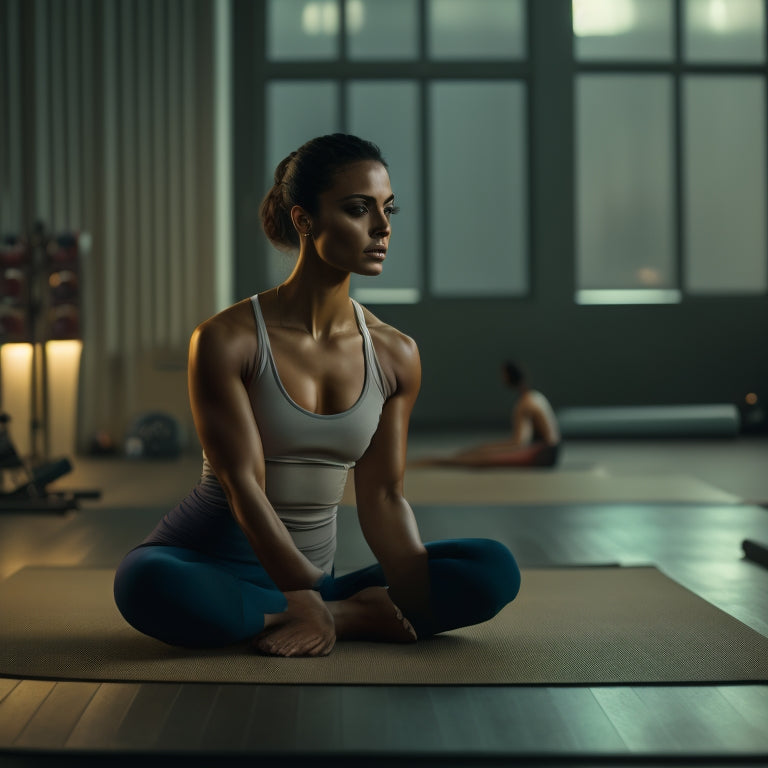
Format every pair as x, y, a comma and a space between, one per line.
351, 228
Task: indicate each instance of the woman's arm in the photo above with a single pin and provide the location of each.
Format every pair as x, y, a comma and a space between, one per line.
230, 437
386, 518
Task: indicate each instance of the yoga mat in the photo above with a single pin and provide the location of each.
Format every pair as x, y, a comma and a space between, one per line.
550, 486
568, 626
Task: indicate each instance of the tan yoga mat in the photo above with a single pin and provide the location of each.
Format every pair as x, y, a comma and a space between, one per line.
567, 626
451, 486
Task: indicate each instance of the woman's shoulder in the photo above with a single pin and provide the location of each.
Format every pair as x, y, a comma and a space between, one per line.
534, 399
229, 335
397, 352
236, 319
389, 338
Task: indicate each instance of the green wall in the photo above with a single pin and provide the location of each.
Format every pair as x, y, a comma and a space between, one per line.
702, 350
695, 352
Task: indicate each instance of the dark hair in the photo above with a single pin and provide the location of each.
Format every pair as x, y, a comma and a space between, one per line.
514, 373
302, 176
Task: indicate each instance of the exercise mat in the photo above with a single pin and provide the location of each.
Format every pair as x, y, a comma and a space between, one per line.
568, 626
457, 485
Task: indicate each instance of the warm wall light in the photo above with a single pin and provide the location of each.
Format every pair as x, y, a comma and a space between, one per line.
751, 399
63, 363
602, 18
16, 388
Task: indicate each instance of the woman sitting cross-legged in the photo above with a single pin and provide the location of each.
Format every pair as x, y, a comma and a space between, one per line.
289, 390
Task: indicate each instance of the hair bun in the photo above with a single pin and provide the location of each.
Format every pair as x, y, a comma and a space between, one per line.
282, 168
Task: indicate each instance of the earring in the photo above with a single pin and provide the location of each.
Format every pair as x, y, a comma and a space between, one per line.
308, 234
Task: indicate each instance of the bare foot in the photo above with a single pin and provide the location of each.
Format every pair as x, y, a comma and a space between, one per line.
371, 615
306, 628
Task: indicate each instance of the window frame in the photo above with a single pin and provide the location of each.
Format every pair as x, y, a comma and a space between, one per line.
421, 71
678, 69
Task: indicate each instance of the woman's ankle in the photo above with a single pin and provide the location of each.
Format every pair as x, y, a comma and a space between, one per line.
371, 615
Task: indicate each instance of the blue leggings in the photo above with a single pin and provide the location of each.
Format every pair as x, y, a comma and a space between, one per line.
186, 598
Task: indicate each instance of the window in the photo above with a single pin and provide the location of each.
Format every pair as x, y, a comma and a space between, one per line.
625, 234
483, 29
626, 30
724, 183
387, 112
302, 30
377, 30
424, 79
478, 206
727, 31
670, 95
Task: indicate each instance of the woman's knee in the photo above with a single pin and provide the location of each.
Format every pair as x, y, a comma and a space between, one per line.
142, 580
498, 577
472, 580
490, 561
504, 571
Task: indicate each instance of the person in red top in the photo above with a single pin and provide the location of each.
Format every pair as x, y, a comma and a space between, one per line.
535, 439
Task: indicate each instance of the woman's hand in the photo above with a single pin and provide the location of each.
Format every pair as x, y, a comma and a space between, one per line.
305, 628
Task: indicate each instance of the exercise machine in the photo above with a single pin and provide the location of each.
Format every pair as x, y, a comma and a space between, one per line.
39, 302
24, 484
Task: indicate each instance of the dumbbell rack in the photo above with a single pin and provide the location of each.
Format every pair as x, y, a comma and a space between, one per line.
32, 317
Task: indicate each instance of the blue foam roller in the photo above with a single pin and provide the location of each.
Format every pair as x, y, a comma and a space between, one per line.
718, 420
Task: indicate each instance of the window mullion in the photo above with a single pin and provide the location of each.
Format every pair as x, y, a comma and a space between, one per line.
677, 117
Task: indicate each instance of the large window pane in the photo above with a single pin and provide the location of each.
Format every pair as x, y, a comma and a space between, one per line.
479, 189
378, 29
302, 29
482, 29
296, 112
628, 30
725, 196
625, 208
387, 113
724, 30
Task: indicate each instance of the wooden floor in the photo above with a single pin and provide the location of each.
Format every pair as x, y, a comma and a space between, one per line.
699, 545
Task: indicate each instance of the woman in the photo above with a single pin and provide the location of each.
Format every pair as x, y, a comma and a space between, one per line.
289, 389
535, 439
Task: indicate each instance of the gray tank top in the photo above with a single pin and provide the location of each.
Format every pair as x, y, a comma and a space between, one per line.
307, 459
308, 455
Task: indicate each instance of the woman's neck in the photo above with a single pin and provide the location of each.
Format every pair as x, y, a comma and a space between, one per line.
315, 301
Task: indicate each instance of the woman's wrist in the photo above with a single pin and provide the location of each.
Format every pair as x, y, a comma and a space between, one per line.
323, 584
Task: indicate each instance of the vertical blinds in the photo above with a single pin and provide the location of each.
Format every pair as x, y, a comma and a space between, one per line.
107, 127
